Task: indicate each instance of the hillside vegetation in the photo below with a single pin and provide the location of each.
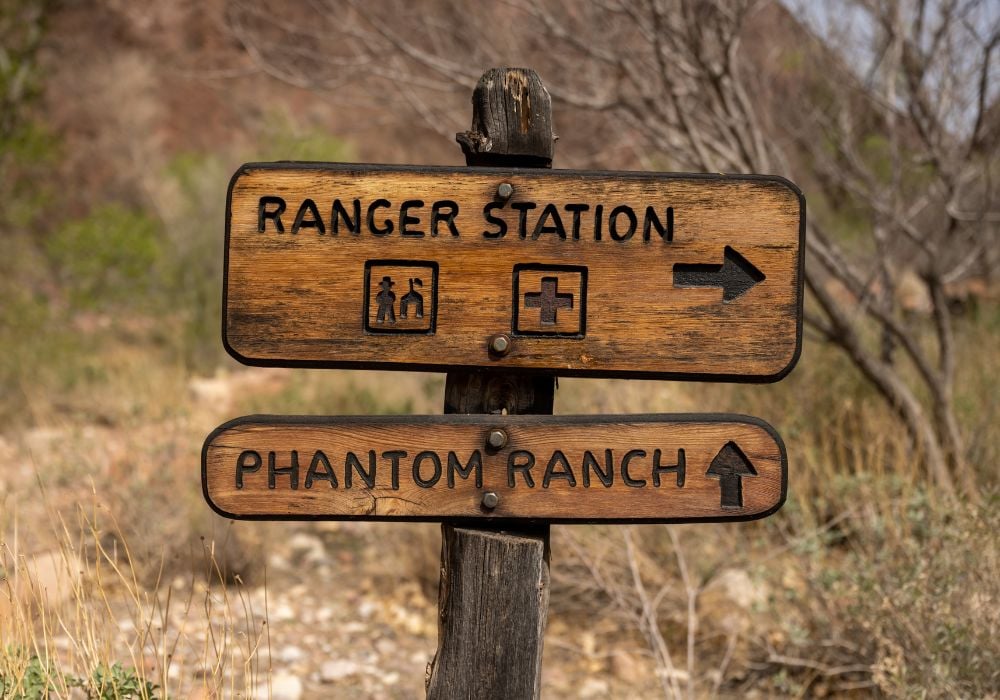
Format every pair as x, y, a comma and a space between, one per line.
120, 125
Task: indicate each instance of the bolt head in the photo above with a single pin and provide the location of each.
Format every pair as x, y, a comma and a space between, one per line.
500, 344
505, 190
490, 500
497, 439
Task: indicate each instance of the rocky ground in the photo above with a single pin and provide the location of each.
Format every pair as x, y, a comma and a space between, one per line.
207, 608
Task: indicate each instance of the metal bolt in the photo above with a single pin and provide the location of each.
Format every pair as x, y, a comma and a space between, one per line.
505, 191
490, 500
500, 344
497, 439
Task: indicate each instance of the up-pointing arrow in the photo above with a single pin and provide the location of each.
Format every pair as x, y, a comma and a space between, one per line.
729, 467
736, 275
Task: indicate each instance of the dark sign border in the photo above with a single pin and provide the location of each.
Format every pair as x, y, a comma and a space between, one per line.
501, 421
368, 168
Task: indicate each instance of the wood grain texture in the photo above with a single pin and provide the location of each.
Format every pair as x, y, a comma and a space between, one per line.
300, 298
511, 120
425, 493
493, 602
493, 578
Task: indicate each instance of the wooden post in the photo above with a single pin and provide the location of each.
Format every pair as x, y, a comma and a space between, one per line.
494, 591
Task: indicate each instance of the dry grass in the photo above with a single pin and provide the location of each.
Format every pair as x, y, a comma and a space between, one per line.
865, 583
71, 612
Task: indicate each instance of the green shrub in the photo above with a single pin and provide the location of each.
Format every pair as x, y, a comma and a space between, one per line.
107, 258
38, 679
193, 233
27, 149
118, 683
35, 682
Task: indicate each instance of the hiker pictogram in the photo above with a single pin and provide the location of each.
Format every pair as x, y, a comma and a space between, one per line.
400, 296
386, 302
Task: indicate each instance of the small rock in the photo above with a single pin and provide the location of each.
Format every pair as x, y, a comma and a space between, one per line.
308, 547
594, 688
740, 588
284, 686
291, 654
367, 607
731, 598
277, 562
625, 667
282, 613
51, 577
126, 625
333, 671
385, 647
39, 440
212, 391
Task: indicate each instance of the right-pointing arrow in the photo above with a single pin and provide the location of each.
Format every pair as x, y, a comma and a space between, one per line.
736, 275
729, 467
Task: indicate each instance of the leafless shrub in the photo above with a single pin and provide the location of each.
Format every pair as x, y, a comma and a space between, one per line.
885, 112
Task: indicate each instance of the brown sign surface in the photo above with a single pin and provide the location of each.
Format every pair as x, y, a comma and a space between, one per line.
585, 273
652, 468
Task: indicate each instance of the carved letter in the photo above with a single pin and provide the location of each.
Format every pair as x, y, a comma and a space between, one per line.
437, 215
377, 204
435, 460
292, 471
405, 219
566, 472
523, 467
339, 212
495, 220
678, 468
319, 459
308, 207
454, 465
242, 466
651, 220
629, 481
274, 215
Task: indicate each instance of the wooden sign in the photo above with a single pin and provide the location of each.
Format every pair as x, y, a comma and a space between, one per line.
651, 468
576, 273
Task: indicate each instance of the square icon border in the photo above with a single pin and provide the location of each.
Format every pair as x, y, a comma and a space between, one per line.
542, 267
366, 303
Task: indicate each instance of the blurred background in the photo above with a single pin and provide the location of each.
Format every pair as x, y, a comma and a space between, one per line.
120, 125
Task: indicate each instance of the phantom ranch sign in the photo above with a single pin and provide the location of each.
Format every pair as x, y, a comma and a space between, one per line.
651, 468
576, 273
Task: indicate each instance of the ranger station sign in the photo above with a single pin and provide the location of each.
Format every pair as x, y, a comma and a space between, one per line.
574, 273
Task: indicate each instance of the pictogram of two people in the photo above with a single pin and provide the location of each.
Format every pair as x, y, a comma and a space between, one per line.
386, 299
